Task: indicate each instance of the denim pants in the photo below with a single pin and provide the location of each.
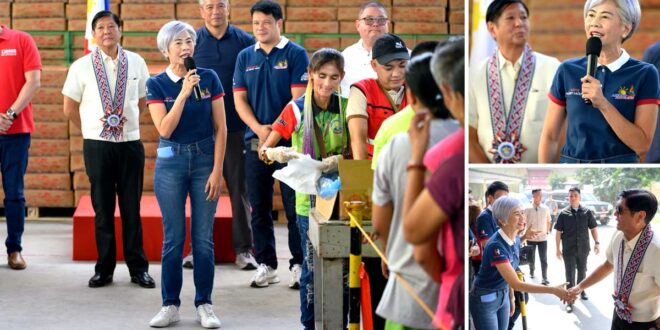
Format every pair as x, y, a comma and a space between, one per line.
13, 164
490, 308
621, 159
185, 173
306, 276
260, 182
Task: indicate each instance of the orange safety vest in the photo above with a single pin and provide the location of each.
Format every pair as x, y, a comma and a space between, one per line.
378, 109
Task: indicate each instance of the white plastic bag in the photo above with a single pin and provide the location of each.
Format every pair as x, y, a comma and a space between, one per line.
300, 174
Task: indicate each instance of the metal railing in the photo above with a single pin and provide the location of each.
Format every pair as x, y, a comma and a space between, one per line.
68, 37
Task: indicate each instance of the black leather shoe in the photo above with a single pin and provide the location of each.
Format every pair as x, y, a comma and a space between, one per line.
584, 296
99, 280
144, 280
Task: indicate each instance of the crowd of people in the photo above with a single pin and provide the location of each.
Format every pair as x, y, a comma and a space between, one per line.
507, 232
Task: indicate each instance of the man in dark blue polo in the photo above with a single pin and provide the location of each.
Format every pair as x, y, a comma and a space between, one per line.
218, 45
266, 78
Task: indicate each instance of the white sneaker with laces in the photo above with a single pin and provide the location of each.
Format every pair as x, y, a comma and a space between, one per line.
207, 317
166, 316
264, 276
245, 261
296, 270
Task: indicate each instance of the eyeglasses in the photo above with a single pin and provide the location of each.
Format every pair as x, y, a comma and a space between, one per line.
620, 210
371, 20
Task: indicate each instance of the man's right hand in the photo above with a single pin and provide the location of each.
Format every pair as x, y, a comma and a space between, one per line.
559, 255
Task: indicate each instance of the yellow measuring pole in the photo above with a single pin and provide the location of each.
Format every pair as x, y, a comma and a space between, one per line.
355, 210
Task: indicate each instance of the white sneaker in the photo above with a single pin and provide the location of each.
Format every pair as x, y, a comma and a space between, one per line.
245, 261
166, 316
207, 317
296, 270
264, 276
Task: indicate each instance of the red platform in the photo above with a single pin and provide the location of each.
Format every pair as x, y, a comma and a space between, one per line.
84, 239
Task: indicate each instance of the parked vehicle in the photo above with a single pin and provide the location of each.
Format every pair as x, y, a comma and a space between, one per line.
603, 211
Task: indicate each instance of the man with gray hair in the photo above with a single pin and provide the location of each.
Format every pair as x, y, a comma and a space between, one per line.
104, 93
372, 23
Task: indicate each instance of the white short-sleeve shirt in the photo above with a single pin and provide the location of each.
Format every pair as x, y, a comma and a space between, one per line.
645, 295
537, 102
81, 86
357, 66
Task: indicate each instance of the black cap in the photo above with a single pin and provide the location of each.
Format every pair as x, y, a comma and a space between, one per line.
389, 47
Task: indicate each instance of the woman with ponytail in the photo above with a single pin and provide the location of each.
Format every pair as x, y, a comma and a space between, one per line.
316, 126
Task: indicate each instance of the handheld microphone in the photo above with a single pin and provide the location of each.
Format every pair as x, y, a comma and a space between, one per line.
189, 63
594, 46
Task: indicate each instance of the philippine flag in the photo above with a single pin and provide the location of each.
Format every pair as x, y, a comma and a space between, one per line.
93, 7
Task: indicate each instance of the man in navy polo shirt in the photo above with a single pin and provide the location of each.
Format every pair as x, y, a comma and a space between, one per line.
486, 224
218, 45
266, 78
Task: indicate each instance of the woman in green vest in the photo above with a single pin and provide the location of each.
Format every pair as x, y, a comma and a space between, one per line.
316, 125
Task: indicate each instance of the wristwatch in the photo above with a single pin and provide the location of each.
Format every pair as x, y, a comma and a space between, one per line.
596, 243
12, 113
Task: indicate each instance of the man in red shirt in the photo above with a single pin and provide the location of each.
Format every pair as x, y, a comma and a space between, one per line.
21, 70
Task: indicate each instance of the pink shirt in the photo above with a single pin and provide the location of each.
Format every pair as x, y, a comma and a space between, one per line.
444, 149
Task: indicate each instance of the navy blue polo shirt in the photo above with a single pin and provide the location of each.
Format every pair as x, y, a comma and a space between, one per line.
268, 78
196, 121
220, 55
497, 251
626, 85
486, 225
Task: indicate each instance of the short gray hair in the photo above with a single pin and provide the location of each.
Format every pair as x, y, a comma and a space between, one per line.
629, 12
201, 2
503, 206
170, 31
448, 64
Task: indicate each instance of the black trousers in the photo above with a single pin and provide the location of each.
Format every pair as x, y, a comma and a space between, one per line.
116, 169
233, 171
574, 262
543, 253
620, 324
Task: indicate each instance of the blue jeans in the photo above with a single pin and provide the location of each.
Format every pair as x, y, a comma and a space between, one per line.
259, 177
184, 174
621, 159
13, 164
306, 276
490, 308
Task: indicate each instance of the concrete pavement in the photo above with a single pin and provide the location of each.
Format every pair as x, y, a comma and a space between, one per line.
52, 292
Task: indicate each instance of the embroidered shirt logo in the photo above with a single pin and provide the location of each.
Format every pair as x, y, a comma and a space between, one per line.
169, 99
497, 252
398, 44
304, 77
252, 68
281, 65
574, 92
8, 52
624, 93
205, 93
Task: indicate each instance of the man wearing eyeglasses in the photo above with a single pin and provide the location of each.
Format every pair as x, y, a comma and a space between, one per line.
633, 256
372, 23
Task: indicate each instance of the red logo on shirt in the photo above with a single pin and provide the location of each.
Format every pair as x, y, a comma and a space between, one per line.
8, 52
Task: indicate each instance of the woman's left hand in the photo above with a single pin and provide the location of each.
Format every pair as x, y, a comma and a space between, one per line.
213, 186
592, 90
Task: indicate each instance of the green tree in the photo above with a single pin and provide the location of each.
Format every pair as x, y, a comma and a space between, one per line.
609, 182
556, 180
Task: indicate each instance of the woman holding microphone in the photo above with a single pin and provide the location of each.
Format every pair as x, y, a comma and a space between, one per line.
193, 135
610, 116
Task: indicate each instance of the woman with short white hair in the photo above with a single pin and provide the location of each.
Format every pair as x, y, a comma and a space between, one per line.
611, 116
189, 164
491, 296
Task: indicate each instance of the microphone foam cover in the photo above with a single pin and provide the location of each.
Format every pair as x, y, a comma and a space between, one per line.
594, 46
